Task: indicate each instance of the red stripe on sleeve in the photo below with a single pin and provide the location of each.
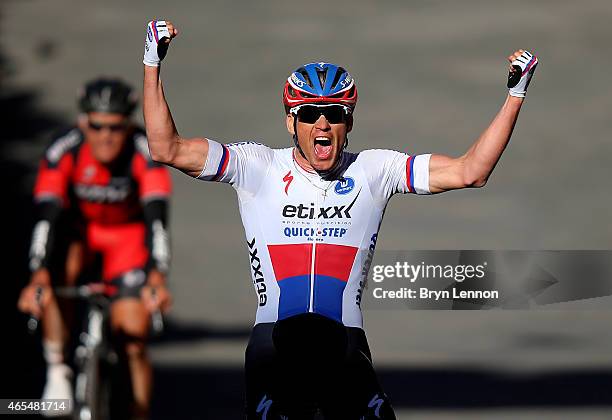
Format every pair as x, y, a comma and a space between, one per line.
225, 162
409, 173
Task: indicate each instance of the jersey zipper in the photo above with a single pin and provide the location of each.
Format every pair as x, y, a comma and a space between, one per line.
314, 254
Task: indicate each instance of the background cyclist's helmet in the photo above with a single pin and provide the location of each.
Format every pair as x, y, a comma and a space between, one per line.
110, 95
323, 83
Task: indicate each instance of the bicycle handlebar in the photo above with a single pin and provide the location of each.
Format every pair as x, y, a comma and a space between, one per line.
87, 291
157, 320
75, 292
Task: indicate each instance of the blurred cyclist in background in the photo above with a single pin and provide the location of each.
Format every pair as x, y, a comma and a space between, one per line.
102, 199
311, 215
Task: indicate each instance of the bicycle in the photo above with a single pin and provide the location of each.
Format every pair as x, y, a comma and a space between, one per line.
96, 361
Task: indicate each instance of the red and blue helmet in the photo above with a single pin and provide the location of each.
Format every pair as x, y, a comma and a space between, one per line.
320, 83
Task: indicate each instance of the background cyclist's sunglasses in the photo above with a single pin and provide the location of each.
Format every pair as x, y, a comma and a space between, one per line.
334, 114
112, 127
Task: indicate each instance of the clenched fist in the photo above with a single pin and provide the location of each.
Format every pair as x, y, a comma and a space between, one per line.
522, 67
37, 294
158, 37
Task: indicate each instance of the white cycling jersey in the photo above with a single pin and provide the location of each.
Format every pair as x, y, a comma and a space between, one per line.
311, 241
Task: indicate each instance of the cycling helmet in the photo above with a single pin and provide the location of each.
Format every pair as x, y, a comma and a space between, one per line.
324, 83
107, 95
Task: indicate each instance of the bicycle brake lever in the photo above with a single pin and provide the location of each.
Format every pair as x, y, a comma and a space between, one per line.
157, 320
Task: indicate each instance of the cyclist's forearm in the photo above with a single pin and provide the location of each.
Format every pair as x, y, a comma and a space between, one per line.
483, 155
157, 238
41, 243
162, 135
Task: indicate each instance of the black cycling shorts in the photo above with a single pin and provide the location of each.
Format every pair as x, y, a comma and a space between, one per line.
309, 364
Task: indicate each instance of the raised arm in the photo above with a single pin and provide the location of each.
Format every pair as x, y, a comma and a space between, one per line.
165, 143
476, 165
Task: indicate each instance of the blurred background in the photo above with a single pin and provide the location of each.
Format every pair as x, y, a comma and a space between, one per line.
431, 75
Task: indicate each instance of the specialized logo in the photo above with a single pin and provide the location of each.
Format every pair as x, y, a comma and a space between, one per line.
288, 179
264, 406
296, 81
347, 81
345, 187
376, 401
258, 277
311, 212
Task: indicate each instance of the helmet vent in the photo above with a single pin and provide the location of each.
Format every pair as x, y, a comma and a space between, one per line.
304, 74
108, 95
339, 74
322, 75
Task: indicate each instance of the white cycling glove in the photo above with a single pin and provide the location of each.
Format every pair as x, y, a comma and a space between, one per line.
524, 67
155, 50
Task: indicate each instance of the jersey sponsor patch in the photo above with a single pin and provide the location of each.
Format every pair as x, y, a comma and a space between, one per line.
344, 187
311, 212
112, 193
312, 234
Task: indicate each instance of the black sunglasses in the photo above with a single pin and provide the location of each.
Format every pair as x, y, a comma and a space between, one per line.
112, 127
334, 114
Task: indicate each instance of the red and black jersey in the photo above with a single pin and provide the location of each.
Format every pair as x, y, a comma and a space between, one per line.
104, 194
133, 189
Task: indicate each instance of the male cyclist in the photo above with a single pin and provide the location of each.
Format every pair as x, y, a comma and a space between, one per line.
98, 178
311, 215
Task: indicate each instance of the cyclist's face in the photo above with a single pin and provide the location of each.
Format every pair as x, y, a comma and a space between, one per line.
321, 141
106, 134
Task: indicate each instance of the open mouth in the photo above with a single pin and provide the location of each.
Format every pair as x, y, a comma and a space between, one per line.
322, 147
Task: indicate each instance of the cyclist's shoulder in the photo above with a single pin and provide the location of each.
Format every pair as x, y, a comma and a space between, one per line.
248, 144
378, 156
139, 140
377, 153
64, 141
378, 161
256, 149
285, 153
